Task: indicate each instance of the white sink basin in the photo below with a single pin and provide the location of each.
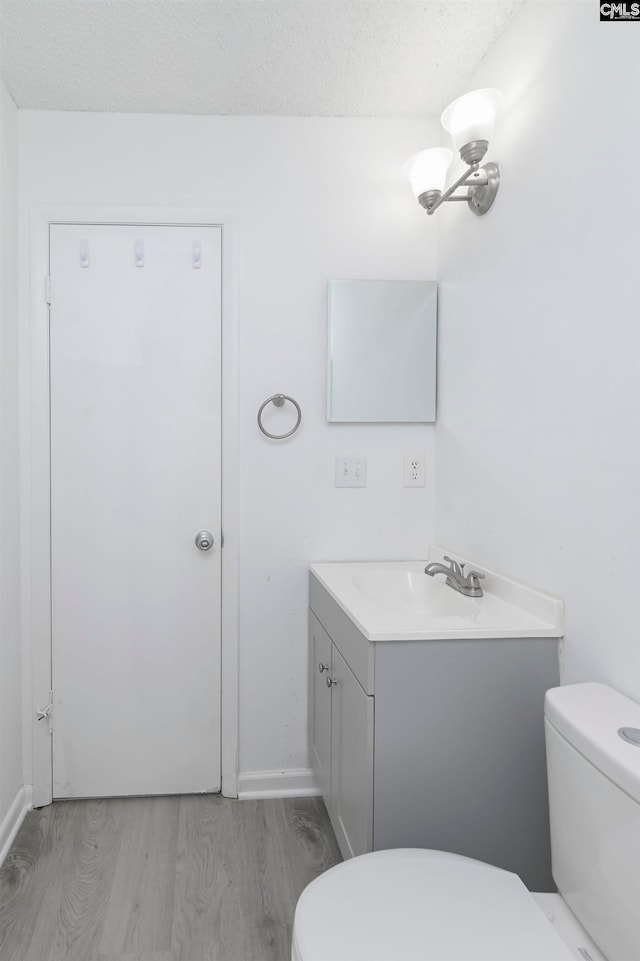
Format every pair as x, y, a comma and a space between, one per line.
410, 590
396, 600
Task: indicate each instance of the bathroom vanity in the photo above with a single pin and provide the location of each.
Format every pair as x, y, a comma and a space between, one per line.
426, 712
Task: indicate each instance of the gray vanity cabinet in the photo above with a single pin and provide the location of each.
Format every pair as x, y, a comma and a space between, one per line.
431, 743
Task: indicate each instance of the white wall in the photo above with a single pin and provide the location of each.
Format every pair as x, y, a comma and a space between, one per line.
538, 435
314, 199
11, 778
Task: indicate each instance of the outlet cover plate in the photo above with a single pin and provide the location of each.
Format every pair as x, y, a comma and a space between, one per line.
414, 470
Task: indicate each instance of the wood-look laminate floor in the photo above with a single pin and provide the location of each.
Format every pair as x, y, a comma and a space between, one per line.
190, 878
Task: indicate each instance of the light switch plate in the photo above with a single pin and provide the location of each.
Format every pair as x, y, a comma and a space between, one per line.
351, 471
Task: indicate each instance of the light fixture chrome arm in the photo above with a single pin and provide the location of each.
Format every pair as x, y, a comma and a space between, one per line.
483, 183
460, 182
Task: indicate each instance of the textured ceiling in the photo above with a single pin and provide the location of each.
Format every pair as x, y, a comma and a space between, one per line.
248, 57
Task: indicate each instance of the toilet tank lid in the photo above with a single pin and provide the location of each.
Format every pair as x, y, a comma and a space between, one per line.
589, 716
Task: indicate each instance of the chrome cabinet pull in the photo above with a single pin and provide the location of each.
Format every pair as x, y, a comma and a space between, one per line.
331, 682
323, 667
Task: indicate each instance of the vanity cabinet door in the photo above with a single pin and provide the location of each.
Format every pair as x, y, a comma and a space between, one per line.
320, 706
351, 807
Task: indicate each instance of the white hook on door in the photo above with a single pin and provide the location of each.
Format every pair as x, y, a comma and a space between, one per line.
139, 251
197, 255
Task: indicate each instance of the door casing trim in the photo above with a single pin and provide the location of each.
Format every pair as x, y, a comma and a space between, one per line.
35, 519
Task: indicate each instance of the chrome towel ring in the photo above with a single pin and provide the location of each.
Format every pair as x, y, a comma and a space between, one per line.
278, 400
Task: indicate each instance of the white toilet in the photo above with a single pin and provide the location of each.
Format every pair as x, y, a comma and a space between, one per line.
418, 905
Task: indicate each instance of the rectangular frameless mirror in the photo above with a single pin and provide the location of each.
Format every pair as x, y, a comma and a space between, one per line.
382, 351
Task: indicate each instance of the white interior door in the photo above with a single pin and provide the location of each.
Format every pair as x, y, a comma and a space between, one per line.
135, 474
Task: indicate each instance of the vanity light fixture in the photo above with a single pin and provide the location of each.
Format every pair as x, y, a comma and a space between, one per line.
469, 120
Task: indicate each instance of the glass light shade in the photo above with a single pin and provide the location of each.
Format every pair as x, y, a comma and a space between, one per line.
427, 170
471, 117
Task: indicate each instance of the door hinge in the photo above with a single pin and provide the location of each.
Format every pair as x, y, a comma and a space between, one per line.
47, 290
46, 712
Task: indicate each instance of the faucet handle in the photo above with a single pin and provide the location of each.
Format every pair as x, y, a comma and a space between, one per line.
473, 577
455, 567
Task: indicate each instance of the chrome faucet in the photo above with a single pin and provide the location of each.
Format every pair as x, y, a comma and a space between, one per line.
468, 584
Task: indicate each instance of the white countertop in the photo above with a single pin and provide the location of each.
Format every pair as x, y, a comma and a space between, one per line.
397, 601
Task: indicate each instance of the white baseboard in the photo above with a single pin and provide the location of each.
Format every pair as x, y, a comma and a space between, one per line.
10, 824
296, 782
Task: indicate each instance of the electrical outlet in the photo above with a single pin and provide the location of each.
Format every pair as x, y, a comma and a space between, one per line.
351, 471
414, 470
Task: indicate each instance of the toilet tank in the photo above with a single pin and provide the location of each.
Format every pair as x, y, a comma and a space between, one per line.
594, 806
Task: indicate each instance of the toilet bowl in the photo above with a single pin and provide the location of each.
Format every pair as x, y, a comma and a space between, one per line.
421, 905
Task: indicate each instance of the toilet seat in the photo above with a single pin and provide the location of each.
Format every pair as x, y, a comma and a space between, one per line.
418, 905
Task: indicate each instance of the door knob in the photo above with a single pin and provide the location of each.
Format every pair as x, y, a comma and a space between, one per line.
204, 540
